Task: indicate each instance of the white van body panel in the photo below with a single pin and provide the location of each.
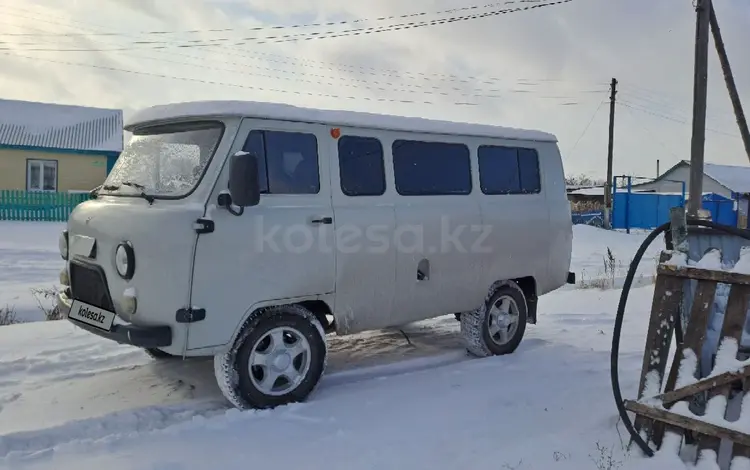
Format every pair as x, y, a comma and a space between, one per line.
270, 253
162, 237
365, 252
560, 229
363, 266
519, 226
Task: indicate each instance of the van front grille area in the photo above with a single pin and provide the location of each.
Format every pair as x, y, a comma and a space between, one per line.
89, 284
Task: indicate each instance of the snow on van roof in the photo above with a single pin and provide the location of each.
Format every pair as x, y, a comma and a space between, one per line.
286, 112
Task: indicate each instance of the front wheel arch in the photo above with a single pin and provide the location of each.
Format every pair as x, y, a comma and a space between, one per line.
232, 370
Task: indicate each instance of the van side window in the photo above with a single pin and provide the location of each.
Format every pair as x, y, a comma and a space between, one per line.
509, 170
361, 166
287, 161
431, 168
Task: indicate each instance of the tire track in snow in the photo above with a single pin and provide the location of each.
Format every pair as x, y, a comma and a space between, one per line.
185, 391
121, 425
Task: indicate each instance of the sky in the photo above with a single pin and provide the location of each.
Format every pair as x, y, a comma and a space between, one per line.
547, 68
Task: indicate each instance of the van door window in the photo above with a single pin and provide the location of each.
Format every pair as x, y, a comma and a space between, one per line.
287, 161
508, 170
361, 166
431, 168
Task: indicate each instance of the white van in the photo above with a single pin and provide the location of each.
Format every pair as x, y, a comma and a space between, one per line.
248, 231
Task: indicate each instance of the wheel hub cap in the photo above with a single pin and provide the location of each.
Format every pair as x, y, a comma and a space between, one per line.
282, 361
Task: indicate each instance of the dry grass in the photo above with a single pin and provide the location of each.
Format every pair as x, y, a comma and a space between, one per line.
612, 270
46, 299
8, 316
605, 458
586, 206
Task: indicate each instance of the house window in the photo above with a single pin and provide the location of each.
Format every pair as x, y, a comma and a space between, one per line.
41, 175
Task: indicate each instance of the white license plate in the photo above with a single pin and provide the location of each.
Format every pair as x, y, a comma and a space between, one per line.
91, 315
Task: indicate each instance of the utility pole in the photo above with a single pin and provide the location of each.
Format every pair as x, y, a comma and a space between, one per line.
700, 91
729, 79
610, 155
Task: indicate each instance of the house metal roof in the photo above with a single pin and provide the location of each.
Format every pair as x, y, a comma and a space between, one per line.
60, 127
734, 178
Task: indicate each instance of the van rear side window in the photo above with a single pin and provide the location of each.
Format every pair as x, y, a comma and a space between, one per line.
361, 166
509, 170
431, 168
287, 161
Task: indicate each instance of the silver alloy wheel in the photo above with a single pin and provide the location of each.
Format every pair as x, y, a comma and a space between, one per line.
279, 361
503, 320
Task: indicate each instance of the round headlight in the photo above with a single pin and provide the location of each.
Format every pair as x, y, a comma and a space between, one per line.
125, 260
63, 244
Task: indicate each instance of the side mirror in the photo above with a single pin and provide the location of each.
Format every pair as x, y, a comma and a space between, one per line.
243, 180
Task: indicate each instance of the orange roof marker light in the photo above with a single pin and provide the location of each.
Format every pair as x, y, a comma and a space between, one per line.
336, 132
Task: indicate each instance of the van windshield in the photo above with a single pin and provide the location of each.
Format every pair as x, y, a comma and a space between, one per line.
164, 161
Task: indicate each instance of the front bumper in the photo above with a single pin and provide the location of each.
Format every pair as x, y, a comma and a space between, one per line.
140, 336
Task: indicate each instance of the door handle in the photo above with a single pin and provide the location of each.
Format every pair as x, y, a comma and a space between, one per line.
322, 220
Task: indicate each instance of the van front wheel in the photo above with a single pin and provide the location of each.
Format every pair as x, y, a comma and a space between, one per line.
278, 359
498, 327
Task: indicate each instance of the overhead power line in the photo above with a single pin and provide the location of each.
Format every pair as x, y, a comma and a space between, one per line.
586, 129
223, 42
670, 106
667, 117
637, 121
236, 85
277, 27
427, 79
426, 86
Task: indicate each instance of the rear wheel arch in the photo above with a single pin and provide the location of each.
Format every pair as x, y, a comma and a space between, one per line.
480, 327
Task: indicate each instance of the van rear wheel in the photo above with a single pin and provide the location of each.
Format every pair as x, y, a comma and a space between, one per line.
498, 328
278, 359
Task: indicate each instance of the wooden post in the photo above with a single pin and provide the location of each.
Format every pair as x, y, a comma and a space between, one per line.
700, 92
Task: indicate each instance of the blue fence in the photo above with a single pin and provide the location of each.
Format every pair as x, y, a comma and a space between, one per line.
649, 210
643, 210
723, 210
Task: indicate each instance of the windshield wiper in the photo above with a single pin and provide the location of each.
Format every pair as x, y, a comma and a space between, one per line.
138, 186
94, 193
142, 189
134, 185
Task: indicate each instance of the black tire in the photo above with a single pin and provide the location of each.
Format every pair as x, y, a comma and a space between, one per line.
233, 373
158, 354
475, 326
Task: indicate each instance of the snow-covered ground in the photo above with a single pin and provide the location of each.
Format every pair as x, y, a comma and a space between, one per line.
29, 259
69, 400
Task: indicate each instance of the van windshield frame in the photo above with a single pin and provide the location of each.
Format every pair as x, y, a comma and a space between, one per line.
134, 167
